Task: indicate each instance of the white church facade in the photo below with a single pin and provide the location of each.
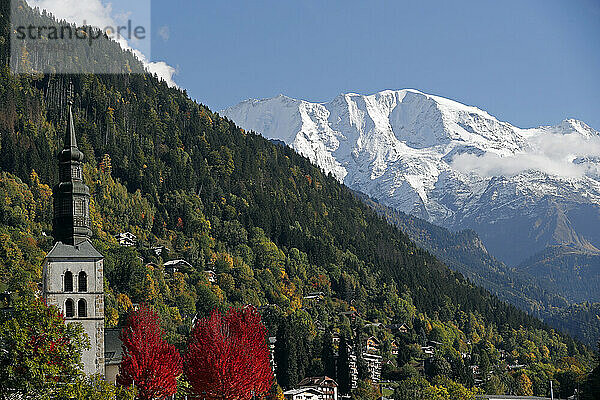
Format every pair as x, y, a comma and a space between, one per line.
73, 277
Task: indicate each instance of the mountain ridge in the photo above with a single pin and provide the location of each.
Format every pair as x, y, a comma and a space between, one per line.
457, 166
533, 288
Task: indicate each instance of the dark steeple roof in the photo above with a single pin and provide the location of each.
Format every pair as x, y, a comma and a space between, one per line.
70, 150
71, 223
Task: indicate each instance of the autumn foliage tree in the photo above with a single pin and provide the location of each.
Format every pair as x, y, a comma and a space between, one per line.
228, 357
149, 362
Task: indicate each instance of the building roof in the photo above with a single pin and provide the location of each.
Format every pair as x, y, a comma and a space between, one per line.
113, 350
173, 263
81, 250
371, 357
318, 381
125, 235
374, 339
293, 392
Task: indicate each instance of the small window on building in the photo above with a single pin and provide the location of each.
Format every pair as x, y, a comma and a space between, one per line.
82, 281
68, 281
81, 308
76, 172
79, 207
69, 309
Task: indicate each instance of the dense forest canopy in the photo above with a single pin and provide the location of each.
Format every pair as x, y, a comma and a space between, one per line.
270, 225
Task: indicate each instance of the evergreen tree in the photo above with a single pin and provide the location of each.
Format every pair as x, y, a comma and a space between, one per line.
343, 374
286, 356
591, 388
327, 355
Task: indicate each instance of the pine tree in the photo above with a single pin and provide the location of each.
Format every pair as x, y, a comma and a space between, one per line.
591, 388
327, 355
286, 356
343, 375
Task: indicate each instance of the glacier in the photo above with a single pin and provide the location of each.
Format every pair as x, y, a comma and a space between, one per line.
454, 165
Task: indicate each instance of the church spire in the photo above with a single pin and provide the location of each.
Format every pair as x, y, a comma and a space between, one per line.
71, 223
70, 139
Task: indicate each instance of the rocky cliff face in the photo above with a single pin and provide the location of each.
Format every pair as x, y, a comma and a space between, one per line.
454, 165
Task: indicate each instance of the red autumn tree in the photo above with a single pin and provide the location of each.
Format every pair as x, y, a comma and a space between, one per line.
228, 357
149, 362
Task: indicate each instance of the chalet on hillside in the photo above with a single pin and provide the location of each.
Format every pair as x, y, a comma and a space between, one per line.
336, 339
315, 296
306, 393
271, 343
353, 367
371, 345
428, 350
374, 362
159, 250
398, 328
176, 265
126, 239
371, 356
210, 275
326, 386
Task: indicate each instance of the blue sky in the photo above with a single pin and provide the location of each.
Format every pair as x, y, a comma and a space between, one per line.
527, 62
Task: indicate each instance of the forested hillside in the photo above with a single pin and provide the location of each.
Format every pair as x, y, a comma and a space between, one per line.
535, 293
270, 225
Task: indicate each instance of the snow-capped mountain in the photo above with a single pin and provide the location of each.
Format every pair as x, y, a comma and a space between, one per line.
451, 164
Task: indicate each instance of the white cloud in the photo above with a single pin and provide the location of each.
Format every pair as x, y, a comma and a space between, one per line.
551, 153
98, 14
77, 11
163, 70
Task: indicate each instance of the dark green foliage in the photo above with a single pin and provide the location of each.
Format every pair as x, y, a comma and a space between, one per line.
591, 387
327, 355
438, 366
343, 369
286, 357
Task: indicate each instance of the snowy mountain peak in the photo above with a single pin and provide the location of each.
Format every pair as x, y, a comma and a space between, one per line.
575, 126
439, 159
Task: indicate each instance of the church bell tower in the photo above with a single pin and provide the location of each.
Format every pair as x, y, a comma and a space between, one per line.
71, 224
73, 278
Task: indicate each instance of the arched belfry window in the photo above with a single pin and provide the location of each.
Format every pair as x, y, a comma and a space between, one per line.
82, 284
68, 281
69, 308
81, 308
